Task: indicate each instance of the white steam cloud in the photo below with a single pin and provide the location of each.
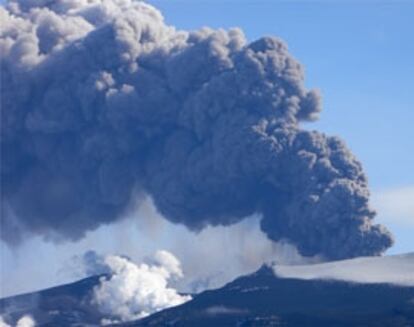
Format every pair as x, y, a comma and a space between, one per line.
25, 321
133, 291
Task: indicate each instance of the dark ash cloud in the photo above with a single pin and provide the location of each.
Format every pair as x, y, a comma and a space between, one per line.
102, 101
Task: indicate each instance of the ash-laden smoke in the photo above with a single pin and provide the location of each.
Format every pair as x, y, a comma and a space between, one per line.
101, 101
133, 291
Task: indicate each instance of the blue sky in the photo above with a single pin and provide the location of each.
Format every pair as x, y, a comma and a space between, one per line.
358, 53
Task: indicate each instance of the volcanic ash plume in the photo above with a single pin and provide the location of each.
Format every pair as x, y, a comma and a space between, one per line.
101, 101
134, 291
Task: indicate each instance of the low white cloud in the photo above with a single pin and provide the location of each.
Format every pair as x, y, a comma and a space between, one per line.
25, 321
133, 291
397, 269
395, 205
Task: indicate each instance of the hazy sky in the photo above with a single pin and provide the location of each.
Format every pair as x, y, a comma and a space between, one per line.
358, 53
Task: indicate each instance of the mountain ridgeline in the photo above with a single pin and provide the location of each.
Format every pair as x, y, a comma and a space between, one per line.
258, 299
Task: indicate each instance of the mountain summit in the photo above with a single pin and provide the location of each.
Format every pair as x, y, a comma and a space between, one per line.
265, 299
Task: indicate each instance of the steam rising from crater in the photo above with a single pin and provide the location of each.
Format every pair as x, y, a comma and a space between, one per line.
132, 291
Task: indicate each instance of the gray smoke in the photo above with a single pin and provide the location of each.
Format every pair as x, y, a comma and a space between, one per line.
101, 101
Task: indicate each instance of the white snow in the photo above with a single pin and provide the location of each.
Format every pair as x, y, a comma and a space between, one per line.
396, 269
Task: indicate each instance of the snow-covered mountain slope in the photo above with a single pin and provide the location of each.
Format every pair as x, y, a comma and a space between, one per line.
397, 269
63, 306
380, 294
320, 298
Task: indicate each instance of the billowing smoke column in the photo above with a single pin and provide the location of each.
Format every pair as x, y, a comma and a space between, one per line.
102, 101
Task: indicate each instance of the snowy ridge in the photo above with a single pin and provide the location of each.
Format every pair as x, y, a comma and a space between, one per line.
395, 269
